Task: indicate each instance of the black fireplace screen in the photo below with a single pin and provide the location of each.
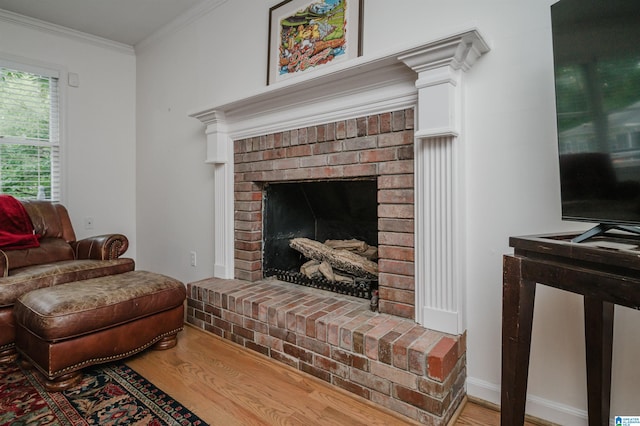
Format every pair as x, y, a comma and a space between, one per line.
320, 211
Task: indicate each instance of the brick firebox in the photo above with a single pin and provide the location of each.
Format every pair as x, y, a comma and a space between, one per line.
378, 146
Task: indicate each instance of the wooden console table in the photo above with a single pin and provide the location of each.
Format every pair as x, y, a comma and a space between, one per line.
605, 270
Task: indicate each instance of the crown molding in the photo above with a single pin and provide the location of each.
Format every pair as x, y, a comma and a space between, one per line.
191, 15
47, 27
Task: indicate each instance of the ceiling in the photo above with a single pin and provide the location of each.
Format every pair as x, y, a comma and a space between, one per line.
123, 21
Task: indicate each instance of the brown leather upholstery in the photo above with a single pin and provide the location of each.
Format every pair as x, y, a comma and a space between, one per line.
64, 328
50, 220
8, 331
27, 279
70, 310
50, 250
58, 240
57, 359
59, 259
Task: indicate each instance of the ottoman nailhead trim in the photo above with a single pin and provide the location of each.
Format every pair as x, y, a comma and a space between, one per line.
83, 364
7, 346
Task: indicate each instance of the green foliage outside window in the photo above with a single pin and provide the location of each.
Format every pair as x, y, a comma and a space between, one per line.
25, 139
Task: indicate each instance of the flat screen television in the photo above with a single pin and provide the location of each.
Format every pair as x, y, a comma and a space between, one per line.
596, 51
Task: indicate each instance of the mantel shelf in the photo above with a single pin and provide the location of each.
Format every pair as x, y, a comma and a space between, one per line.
372, 79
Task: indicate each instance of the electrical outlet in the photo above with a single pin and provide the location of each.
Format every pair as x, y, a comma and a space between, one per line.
88, 222
73, 79
194, 258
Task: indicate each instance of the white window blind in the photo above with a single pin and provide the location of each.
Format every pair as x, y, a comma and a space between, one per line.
29, 134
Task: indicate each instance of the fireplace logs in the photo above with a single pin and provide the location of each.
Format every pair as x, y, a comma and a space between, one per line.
341, 266
342, 259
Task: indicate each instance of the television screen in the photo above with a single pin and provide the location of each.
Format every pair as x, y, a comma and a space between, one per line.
596, 49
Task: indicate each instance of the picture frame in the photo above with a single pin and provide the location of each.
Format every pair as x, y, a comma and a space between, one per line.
305, 35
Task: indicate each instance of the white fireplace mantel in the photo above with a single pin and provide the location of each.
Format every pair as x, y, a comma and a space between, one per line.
428, 77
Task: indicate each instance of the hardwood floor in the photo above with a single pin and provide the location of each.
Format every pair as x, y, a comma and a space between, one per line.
477, 415
226, 384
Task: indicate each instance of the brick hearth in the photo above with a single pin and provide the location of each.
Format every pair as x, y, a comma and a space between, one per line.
389, 360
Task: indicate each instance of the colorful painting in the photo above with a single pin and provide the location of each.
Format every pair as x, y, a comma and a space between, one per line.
311, 34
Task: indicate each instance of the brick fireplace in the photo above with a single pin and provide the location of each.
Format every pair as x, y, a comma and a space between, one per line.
395, 119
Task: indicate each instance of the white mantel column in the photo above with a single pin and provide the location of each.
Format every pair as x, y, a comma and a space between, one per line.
439, 181
220, 154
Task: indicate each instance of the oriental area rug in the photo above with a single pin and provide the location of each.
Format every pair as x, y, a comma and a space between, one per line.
110, 394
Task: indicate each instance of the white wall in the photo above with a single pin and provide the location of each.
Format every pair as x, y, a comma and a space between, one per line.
512, 175
99, 121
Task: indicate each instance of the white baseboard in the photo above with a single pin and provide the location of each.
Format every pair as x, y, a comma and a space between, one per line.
537, 407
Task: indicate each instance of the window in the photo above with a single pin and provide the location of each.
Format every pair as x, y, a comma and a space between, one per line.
29, 133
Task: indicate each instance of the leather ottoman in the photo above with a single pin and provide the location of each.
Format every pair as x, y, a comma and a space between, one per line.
64, 328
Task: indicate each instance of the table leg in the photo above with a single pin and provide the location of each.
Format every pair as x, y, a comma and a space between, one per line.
517, 319
598, 324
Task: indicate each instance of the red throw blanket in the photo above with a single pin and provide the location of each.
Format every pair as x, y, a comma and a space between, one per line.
16, 229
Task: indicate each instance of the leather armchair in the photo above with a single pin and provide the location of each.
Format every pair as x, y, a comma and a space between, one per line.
59, 259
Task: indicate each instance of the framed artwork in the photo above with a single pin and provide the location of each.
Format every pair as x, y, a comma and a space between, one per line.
305, 35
